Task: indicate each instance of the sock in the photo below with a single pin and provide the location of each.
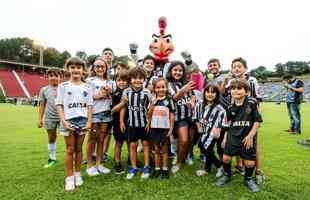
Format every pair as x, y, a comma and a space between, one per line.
227, 169
52, 151
77, 173
157, 168
248, 173
165, 168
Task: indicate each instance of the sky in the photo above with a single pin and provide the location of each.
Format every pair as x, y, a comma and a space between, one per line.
264, 32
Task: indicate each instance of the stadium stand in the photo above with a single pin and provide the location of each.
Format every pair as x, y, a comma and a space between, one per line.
10, 84
32, 81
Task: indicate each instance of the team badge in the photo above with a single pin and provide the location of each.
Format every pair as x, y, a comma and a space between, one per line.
69, 93
85, 94
248, 110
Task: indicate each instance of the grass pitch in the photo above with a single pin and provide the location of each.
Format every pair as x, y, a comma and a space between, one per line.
23, 152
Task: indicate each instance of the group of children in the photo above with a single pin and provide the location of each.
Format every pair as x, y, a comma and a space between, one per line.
166, 113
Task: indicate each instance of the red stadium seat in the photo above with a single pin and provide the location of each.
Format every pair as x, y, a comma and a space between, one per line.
33, 82
10, 84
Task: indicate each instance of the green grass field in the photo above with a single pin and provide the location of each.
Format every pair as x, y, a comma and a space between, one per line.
23, 152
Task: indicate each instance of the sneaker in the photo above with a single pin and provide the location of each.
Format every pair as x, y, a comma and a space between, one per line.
156, 173
92, 171
201, 172
50, 163
69, 183
103, 170
189, 160
165, 174
202, 158
146, 172
119, 168
260, 177
251, 185
105, 157
131, 173
78, 179
222, 181
219, 172
175, 169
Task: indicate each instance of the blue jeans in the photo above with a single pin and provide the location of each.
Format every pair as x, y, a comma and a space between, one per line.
294, 114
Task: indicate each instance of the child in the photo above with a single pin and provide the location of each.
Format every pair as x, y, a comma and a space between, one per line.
149, 66
242, 133
48, 116
160, 124
238, 69
122, 80
213, 119
182, 95
101, 88
74, 104
137, 100
120, 67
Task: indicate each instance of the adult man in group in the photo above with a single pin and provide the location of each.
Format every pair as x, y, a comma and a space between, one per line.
295, 89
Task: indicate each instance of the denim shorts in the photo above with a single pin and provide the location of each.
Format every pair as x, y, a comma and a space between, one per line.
77, 123
104, 116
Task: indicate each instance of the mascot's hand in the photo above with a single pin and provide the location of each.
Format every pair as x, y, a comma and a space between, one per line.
133, 47
186, 55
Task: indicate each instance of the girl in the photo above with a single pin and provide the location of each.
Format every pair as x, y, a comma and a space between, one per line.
213, 119
149, 67
160, 124
74, 105
183, 96
101, 88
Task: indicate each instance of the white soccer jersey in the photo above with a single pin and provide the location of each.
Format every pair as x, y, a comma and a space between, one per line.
74, 98
96, 84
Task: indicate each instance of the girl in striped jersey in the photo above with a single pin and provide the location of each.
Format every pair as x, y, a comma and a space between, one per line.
102, 89
183, 97
149, 67
212, 119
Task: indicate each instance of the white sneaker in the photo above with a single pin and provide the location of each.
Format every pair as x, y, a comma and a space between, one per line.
201, 172
219, 172
189, 161
102, 169
69, 183
78, 179
92, 171
175, 169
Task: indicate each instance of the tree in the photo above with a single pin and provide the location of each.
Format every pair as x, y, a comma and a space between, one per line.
82, 55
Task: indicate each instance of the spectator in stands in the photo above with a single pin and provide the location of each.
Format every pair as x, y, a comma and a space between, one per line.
294, 97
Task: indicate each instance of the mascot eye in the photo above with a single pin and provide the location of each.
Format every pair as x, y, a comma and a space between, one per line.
168, 40
155, 40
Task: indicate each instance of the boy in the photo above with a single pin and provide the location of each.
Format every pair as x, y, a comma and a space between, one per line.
241, 138
137, 100
48, 116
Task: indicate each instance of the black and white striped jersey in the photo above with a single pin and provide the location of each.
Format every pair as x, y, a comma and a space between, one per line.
213, 116
182, 110
138, 102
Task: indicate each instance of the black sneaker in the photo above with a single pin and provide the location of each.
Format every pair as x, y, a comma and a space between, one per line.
165, 174
156, 174
253, 187
238, 170
222, 181
119, 168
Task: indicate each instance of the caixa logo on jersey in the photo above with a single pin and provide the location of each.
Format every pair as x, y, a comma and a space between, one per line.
77, 105
135, 108
241, 123
183, 101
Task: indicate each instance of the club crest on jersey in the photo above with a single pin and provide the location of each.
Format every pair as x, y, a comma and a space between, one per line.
69, 93
248, 110
85, 94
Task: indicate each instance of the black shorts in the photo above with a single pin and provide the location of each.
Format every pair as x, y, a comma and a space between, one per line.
158, 136
137, 133
182, 123
119, 136
235, 147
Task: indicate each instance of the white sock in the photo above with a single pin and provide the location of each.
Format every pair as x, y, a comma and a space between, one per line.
52, 151
77, 173
165, 168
